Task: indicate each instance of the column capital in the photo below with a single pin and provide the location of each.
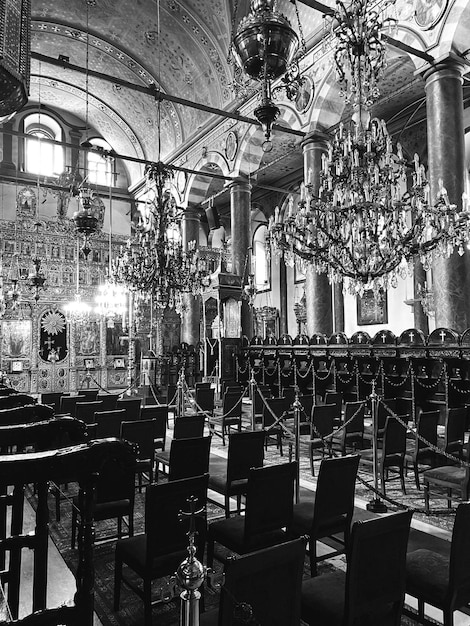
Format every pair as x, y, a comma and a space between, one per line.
449, 65
316, 138
240, 183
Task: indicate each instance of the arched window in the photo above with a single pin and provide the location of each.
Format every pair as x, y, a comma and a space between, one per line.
42, 157
100, 169
261, 264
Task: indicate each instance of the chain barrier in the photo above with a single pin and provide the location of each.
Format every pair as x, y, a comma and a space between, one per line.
420, 382
306, 373
392, 383
463, 392
430, 445
327, 374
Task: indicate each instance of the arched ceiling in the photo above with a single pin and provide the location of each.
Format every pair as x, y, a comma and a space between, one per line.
179, 45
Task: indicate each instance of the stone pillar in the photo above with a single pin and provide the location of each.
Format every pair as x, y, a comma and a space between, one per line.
240, 215
318, 298
191, 315
283, 326
446, 162
7, 140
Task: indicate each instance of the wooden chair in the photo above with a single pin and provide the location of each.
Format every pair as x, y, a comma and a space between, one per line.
229, 477
447, 481
158, 413
131, 406
422, 448
321, 430
68, 404
336, 398
372, 590
205, 400
109, 401
392, 453
108, 423
454, 434
52, 399
268, 513
83, 464
329, 513
143, 434
273, 410
114, 495
90, 394
442, 580
85, 411
307, 402
190, 427
231, 416
351, 437
159, 551
187, 458
266, 582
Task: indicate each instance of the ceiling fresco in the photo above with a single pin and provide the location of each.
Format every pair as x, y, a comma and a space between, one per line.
179, 46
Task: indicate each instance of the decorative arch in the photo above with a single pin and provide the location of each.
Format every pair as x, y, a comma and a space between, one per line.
251, 152
198, 187
454, 34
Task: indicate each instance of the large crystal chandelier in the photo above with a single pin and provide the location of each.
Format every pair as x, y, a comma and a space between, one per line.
159, 265
372, 214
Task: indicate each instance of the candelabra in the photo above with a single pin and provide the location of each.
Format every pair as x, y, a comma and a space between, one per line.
364, 226
159, 265
36, 279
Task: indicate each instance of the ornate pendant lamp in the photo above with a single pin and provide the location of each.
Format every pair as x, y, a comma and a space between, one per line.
367, 223
15, 31
36, 278
265, 47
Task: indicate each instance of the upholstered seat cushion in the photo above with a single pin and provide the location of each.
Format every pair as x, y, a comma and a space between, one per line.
218, 482
323, 599
448, 473
132, 551
427, 575
231, 533
302, 518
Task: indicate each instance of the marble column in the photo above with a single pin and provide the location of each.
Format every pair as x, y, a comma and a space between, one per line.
283, 325
446, 163
240, 215
191, 316
318, 298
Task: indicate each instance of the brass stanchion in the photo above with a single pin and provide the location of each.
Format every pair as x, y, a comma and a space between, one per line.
376, 505
190, 574
297, 408
252, 394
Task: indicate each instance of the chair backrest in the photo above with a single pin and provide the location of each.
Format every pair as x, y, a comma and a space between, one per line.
232, 403
52, 399
90, 394
202, 385
205, 399
383, 411
307, 405
85, 411
354, 414
131, 406
158, 413
336, 398
68, 404
375, 577
323, 416
394, 441
269, 581
334, 493
116, 482
108, 423
109, 400
154, 411
269, 500
427, 429
455, 425
165, 532
189, 457
266, 393
459, 566
188, 427
245, 450
141, 432
278, 406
